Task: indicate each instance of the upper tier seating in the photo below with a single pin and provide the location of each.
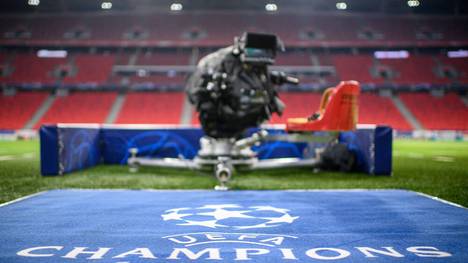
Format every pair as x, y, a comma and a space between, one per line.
159, 80
417, 69
96, 69
354, 67
91, 68
293, 59
164, 58
445, 113
414, 70
28, 68
211, 28
151, 108
16, 110
80, 107
460, 65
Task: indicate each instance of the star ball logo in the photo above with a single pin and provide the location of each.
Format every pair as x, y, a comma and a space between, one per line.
231, 216
232, 246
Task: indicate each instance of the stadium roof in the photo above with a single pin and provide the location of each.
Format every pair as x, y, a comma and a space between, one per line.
458, 7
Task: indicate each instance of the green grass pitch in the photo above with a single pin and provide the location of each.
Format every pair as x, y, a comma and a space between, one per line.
435, 168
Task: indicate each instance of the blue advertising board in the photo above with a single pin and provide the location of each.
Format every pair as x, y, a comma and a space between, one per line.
67, 148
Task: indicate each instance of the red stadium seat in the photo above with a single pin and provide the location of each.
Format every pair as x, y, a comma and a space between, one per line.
164, 58
151, 108
16, 110
414, 70
374, 109
92, 69
460, 64
354, 67
165, 29
79, 107
28, 68
445, 113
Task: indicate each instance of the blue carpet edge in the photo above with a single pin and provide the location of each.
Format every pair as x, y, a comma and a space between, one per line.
208, 190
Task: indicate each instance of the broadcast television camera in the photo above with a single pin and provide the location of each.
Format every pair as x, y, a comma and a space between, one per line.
232, 88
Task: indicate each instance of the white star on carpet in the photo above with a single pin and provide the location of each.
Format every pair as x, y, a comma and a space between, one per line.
270, 208
218, 206
209, 223
177, 209
223, 214
174, 216
263, 225
284, 219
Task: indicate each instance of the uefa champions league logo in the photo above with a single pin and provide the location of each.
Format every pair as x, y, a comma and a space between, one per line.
230, 216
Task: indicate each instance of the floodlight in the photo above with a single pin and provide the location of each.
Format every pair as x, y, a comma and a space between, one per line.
341, 6
34, 2
106, 5
176, 7
413, 3
271, 7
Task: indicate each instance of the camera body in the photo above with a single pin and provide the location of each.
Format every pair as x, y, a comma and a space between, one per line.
233, 89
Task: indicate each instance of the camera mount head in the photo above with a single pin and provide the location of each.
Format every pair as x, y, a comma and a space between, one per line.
257, 48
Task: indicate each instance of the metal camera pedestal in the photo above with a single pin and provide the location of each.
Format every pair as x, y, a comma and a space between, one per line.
224, 156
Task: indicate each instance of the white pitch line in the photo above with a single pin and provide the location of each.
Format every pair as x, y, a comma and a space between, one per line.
446, 159
28, 155
439, 199
17, 157
7, 157
415, 155
22, 198
207, 190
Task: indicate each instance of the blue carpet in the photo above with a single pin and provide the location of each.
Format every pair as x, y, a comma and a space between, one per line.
234, 226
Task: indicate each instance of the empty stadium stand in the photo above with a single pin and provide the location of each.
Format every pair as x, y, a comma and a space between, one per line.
460, 65
91, 69
414, 70
84, 69
144, 55
79, 107
159, 80
151, 108
438, 113
374, 109
17, 110
294, 59
434, 113
354, 67
28, 68
199, 29
164, 58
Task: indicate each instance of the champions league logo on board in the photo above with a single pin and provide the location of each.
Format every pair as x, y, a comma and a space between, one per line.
230, 216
